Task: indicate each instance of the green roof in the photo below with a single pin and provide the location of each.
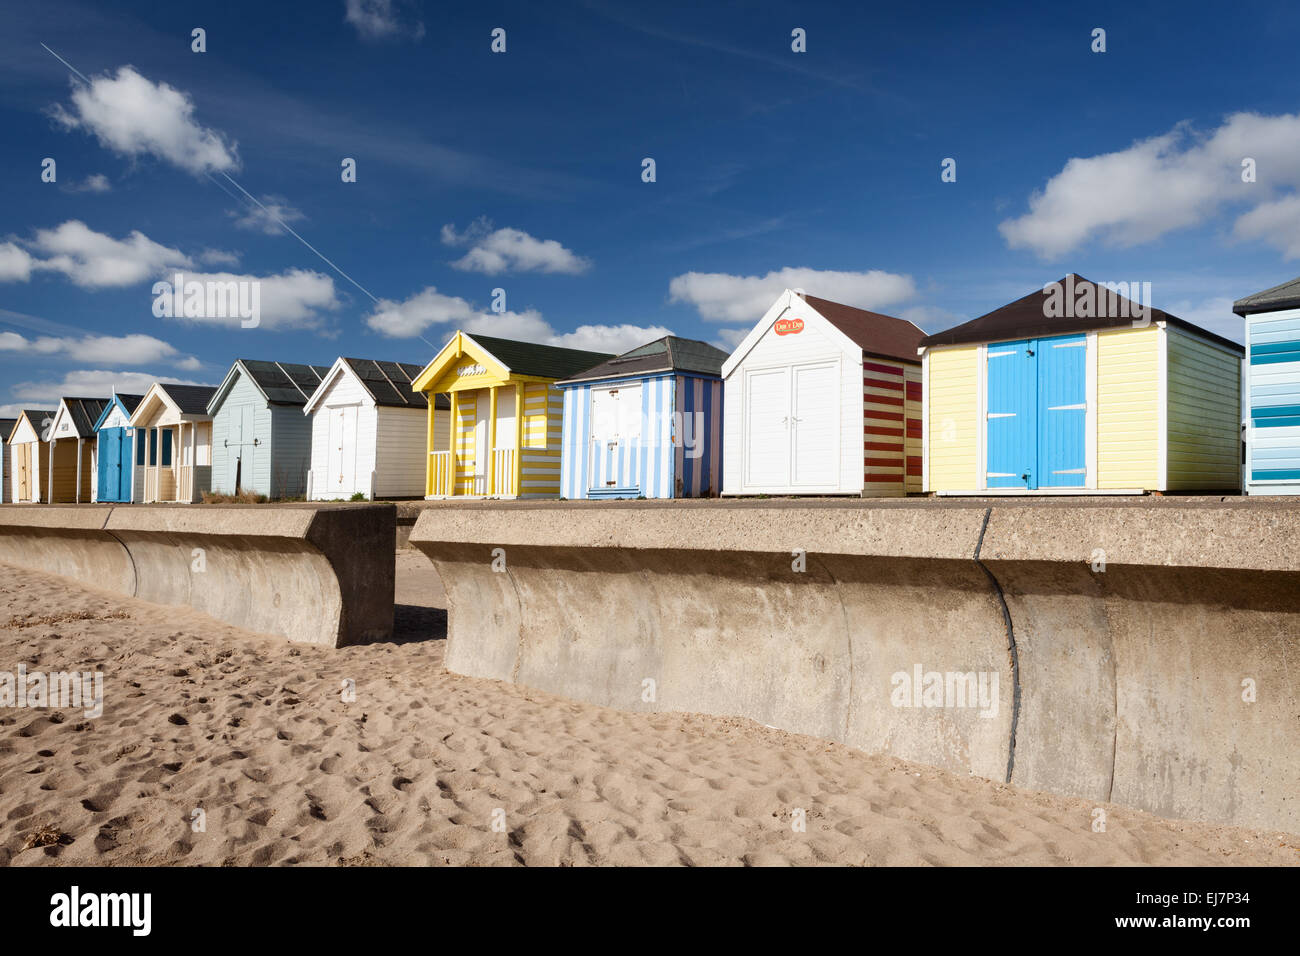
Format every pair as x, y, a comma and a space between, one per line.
544, 361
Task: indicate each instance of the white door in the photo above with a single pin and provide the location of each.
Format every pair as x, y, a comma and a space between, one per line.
814, 426
343, 450
482, 443
767, 428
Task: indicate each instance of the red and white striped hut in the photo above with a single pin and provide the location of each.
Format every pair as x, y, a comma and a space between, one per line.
823, 399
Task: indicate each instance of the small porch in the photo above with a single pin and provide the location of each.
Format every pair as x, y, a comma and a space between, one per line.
166, 458
481, 459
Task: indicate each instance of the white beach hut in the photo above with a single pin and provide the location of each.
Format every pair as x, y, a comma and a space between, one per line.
369, 432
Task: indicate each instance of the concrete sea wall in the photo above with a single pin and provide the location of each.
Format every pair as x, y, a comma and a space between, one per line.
315, 574
1143, 653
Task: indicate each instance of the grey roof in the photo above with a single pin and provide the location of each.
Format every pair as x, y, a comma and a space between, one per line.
85, 412
668, 354
7, 428
190, 399
1284, 296
129, 402
38, 415
389, 383
545, 361
285, 383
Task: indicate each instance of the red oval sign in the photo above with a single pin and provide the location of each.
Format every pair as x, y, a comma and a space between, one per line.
788, 326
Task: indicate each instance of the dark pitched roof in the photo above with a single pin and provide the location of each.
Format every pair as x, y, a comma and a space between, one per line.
129, 402
546, 361
38, 415
85, 413
7, 428
285, 383
191, 399
876, 334
1028, 318
389, 383
1284, 296
668, 354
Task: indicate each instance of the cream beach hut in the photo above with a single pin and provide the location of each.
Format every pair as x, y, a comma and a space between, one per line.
173, 449
30, 451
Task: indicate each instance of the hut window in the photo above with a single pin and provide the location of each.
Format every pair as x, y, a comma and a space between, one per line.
153, 447
139, 445
167, 448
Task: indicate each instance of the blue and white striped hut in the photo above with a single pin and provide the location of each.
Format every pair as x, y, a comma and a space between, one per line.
647, 423
1272, 389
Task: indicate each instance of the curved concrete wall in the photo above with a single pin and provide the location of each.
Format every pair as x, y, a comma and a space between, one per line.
1122, 683
320, 575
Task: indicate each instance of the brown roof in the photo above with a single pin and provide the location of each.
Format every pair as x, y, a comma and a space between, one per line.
880, 335
1027, 318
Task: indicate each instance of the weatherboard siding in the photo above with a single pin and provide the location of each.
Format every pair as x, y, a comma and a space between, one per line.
229, 442
891, 426
345, 391
953, 429
697, 471
1128, 408
1204, 414
676, 411
400, 452
290, 451
1273, 403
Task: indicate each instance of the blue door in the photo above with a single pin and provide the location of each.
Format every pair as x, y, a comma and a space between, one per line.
110, 452
1037, 413
1012, 413
124, 460
1062, 411
115, 459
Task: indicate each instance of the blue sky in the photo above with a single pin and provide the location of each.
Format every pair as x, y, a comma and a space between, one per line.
522, 170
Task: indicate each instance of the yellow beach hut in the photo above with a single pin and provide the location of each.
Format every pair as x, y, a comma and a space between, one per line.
1077, 389
506, 416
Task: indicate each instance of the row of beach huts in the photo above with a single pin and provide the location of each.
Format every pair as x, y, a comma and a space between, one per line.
818, 399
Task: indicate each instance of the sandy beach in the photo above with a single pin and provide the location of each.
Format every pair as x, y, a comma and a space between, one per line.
430, 768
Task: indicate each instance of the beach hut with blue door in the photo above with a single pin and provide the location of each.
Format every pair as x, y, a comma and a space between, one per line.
1272, 389
115, 449
261, 440
1077, 388
647, 423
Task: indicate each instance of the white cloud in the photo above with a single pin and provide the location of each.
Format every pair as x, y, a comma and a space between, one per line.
95, 260
413, 316
1277, 223
267, 217
720, 297
292, 299
379, 20
90, 383
609, 338
729, 339
430, 308
510, 250
15, 263
1173, 181
106, 349
133, 116
218, 257
98, 183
